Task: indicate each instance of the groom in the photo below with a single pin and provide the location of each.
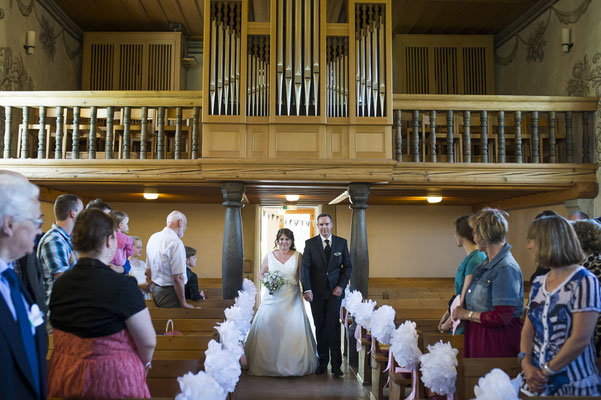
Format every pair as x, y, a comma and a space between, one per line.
326, 270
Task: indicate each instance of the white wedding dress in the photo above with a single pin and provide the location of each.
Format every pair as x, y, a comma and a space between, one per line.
280, 341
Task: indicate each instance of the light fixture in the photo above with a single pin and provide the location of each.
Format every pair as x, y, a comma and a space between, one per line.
29, 42
566, 40
340, 198
292, 197
151, 196
434, 199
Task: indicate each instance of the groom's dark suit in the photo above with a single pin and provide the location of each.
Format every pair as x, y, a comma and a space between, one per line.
321, 276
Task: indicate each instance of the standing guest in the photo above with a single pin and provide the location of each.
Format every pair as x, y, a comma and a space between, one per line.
23, 337
138, 267
539, 269
464, 236
494, 300
577, 215
103, 335
55, 251
589, 236
192, 292
326, 270
125, 246
100, 205
557, 349
166, 259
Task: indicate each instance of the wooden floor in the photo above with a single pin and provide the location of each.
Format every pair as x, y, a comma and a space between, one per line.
312, 386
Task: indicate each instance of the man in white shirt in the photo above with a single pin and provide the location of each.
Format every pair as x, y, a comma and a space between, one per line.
166, 260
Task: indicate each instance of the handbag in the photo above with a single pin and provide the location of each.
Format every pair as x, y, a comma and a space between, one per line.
171, 332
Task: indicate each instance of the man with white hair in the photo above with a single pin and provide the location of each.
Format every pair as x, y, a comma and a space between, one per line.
166, 260
23, 337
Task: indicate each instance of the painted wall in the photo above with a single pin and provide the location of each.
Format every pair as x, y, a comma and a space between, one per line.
56, 62
533, 63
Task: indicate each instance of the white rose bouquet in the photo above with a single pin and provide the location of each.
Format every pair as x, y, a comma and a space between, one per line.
273, 280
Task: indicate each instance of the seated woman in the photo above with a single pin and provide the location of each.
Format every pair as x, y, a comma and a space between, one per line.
589, 236
494, 300
557, 350
103, 335
464, 236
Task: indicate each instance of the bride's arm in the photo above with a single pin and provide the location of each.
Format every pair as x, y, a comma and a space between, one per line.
264, 269
300, 263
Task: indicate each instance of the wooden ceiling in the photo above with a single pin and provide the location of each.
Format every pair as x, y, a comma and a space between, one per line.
409, 16
271, 194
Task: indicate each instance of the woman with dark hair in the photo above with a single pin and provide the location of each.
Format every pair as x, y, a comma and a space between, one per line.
494, 299
589, 236
464, 236
557, 352
103, 335
280, 341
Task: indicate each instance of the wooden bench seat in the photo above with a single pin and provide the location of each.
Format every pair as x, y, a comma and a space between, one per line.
208, 303
187, 313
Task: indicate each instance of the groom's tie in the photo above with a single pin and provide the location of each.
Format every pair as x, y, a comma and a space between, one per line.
24, 324
328, 249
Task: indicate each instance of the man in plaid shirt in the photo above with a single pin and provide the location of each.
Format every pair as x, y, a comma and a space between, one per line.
55, 251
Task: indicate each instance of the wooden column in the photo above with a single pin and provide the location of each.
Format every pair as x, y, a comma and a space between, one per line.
502, 137
433, 135
535, 152
143, 125
42, 134
195, 136
552, 155
109, 133
518, 137
92, 134
126, 133
58, 145
415, 136
178, 133
232, 257
25, 133
450, 149
484, 135
569, 138
586, 138
359, 193
161, 134
399, 135
8, 116
75, 139
467, 142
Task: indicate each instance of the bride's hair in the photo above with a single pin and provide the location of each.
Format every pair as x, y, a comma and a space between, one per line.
289, 235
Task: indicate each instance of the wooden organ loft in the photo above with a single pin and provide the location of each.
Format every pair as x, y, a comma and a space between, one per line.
289, 97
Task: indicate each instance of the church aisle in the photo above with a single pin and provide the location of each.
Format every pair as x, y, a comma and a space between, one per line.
312, 386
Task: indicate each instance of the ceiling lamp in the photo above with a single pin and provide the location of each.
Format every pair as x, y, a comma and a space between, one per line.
292, 197
151, 196
434, 199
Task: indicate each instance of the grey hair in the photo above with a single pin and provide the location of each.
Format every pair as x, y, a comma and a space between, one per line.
175, 216
17, 194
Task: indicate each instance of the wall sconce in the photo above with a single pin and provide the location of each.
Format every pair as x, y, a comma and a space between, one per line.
566, 40
29, 42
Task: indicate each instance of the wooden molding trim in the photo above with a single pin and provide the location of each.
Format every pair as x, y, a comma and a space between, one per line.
119, 98
550, 176
585, 190
62, 19
523, 21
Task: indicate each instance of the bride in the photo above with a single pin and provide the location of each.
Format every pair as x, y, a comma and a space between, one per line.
280, 341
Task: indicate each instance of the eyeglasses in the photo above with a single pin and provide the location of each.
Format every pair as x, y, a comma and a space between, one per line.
37, 221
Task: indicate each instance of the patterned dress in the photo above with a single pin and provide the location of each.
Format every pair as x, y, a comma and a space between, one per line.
551, 315
593, 264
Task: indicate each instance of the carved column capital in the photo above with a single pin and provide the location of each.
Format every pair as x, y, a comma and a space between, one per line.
358, 193
233, 192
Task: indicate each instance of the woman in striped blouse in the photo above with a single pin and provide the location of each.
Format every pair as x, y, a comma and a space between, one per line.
557, 349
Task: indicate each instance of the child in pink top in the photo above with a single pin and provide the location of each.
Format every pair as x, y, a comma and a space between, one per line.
125, 245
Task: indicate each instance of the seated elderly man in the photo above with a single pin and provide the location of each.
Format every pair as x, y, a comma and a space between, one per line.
23, 338
166, 260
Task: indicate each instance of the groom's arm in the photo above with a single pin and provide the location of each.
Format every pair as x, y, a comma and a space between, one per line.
306, 267
345, 271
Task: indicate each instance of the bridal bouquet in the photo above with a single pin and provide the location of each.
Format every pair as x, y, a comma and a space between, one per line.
273, 280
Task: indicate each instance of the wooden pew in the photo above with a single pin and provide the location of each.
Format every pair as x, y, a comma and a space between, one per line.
208, 303
470, 370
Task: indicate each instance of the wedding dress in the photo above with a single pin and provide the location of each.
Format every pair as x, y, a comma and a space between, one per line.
280, 341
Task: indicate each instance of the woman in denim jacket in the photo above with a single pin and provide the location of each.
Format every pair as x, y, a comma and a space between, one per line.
494, 300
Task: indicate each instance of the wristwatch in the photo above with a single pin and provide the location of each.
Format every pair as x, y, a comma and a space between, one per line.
548, 370
521, 356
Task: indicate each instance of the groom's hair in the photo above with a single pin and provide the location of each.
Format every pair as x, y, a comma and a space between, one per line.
322, 215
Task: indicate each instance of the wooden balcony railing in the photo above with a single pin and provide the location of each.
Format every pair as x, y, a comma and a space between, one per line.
167, 125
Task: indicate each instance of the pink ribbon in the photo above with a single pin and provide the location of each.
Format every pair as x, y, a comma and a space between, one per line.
450, 396
346, 320
358, 337
373, 344
243, 361
341, 313
389, 365
456, 303
413, 372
